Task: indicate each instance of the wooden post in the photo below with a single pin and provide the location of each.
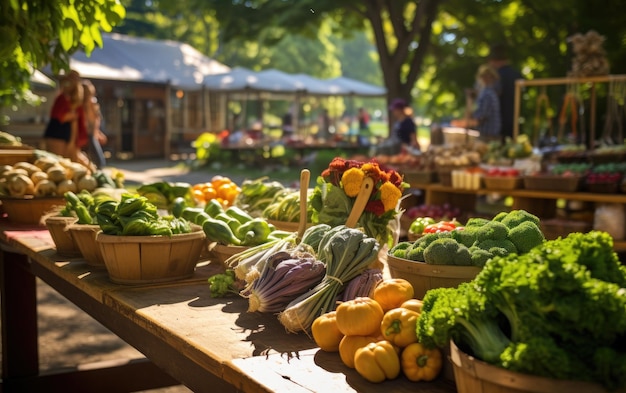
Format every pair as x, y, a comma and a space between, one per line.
168, 120
516, 108
592, 117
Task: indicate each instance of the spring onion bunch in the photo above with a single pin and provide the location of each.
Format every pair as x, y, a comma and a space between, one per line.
347, 253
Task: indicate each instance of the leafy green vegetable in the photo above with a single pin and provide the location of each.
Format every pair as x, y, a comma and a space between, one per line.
558, 311
222, 284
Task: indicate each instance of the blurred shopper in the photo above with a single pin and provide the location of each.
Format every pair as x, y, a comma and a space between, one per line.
61, 131
93, 125
404, 129
505, 87
364, 120
486, 116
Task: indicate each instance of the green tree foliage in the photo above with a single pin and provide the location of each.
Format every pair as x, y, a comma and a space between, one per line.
38, 33
401, 29
426, 51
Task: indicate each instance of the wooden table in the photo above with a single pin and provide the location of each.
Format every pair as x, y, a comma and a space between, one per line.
190, 338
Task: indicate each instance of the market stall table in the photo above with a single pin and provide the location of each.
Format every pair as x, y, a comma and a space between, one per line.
190, 338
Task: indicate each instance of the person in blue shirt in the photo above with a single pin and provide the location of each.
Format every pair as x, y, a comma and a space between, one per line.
505, 87
404, 129
487, 112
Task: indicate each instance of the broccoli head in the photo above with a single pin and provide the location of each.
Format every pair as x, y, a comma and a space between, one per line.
525, 236
399, 250
416, 253
479, 256
493, 230
498, 217
516, 217
503, 244
466, 236
447, 251
476, 222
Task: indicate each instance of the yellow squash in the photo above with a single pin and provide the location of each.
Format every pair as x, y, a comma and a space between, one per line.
377, 361
399, 325
350, 344
420, 363
391, 293
359, 317
413, 304
326, 333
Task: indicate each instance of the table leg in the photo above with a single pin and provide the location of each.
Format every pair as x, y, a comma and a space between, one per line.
20, 355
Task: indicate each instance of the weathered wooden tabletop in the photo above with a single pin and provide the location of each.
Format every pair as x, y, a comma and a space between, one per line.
205, 343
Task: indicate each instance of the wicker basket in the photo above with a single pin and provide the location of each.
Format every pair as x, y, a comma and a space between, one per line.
150, 259
445, 177
13, 156
85, 238
30, 210
604, 188
424, 276
59, 231
503, 182
553, 183
420, 177
286, 225
222, 252
475, 376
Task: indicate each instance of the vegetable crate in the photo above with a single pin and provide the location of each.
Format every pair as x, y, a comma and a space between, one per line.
58, 227
420, 177
30, 210
13, 156
475, 376
503, 182
553, 183
85, 238
424, 276
150, 259
222, 252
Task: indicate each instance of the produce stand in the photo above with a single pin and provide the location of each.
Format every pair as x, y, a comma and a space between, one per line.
540, 203
204, 343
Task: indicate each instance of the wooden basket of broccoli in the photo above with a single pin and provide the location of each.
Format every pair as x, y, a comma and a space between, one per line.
446, 259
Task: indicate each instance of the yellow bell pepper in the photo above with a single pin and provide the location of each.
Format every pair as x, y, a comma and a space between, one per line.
359, 317
399, 326
326, 333
392, 292
377, 361
420, 363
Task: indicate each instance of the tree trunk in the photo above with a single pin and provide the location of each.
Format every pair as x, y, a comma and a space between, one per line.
398, 81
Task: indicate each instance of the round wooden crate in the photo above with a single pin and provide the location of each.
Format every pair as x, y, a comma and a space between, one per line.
30, 210
150, 259
475, 376
58, 227
85, 238
286, 225
222, 252
424, 276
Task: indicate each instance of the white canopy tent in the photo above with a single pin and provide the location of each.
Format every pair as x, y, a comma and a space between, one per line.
137, 59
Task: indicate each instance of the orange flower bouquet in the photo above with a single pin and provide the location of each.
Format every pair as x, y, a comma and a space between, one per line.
336, 190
